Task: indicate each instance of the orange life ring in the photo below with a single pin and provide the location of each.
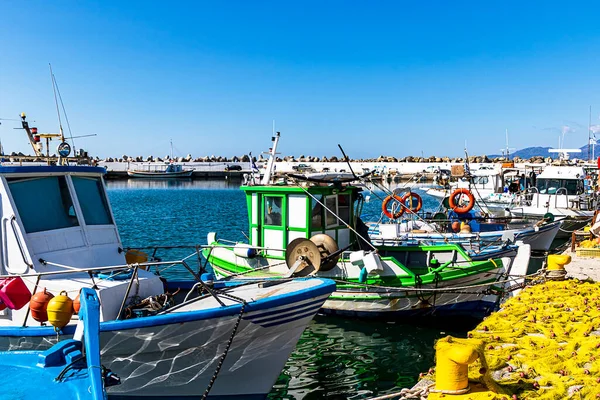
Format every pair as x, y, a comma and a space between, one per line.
463, 209
412, 197
388, 213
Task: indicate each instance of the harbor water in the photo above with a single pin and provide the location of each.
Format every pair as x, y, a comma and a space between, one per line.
336, 358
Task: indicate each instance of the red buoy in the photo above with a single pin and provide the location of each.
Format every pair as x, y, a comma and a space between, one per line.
38, 305
76, 305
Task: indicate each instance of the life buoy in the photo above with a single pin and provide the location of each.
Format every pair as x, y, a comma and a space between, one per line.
387, 213
412, 197
454, 201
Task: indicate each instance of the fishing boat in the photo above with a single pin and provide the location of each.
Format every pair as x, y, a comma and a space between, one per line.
306, 227
457, 222
160, 171
560, 192
71, 369
166, 170
164, 337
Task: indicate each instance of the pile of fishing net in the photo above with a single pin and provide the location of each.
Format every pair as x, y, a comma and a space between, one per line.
543, 344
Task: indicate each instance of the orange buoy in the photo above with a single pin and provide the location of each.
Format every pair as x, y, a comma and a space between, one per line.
414, 202
455, 197
38, 304
388, 213
60, 310
76, 305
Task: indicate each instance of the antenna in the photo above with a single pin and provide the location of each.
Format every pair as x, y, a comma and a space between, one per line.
62, 137
590, 136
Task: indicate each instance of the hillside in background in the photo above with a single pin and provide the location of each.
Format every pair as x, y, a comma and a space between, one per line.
530, 152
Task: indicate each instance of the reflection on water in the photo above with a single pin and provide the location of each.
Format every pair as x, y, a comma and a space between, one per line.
172, 184
339, 358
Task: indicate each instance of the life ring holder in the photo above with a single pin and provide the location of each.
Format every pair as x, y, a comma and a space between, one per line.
462, 209
388, 213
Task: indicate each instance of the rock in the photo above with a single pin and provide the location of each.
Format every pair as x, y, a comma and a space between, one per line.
325, 159
333, 159
245, 158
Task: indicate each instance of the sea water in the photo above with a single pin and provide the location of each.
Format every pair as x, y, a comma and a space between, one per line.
336, 358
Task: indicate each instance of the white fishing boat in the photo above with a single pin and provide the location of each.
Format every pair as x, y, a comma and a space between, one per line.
160, 171
163, 170
163, 337
560, 192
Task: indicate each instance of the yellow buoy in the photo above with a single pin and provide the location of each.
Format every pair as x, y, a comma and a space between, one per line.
452, 359
133, 256
60, 310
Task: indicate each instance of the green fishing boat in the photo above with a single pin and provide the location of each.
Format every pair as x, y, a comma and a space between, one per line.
299, 226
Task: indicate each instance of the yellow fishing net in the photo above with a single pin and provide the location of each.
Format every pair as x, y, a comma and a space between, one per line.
543, 344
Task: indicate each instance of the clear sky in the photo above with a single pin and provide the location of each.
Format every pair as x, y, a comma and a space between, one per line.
381, 78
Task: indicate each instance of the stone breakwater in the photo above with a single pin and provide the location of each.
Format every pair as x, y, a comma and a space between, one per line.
16, 157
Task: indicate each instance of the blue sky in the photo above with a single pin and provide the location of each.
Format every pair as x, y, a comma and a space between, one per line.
381, 78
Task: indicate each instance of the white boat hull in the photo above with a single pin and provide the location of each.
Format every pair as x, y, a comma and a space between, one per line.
160, 175
179, 358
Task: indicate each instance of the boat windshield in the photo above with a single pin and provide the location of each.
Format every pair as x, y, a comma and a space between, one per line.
481, 180
43, 203
92, 200
552, 186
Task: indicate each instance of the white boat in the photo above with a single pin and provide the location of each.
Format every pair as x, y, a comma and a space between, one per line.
560, 192
493, 188
163, 338
539, 236
160, 171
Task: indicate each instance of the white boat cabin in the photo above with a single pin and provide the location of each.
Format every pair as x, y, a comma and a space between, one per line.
58, 219
279, 214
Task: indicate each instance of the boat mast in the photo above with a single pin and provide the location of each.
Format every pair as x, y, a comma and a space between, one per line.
271, 163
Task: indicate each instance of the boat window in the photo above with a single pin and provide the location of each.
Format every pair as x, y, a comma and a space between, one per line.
273, 210
316, 212
551, 186
482, 180
92, 200
43, 203
344, 207
331, 204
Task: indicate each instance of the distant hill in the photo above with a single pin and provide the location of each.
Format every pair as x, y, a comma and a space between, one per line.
530, 152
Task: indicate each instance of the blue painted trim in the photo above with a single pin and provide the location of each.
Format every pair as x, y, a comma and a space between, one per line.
326, 287
291, 319
279, 312
31, 169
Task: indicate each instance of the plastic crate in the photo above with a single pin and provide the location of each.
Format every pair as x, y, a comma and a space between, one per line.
592, 252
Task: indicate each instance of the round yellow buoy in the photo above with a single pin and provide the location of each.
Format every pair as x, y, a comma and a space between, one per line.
60, 310
452, 359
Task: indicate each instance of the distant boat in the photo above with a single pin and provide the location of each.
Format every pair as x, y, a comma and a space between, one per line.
168, 170
160, 171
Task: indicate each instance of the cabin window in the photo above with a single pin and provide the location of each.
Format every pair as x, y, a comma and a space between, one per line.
331, 204
92, 200
551, 186
273, 210
481, 180
316, 212
344, 207
43, 203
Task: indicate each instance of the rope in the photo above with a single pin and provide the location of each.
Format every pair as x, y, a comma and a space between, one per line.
222, 358
417, 392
